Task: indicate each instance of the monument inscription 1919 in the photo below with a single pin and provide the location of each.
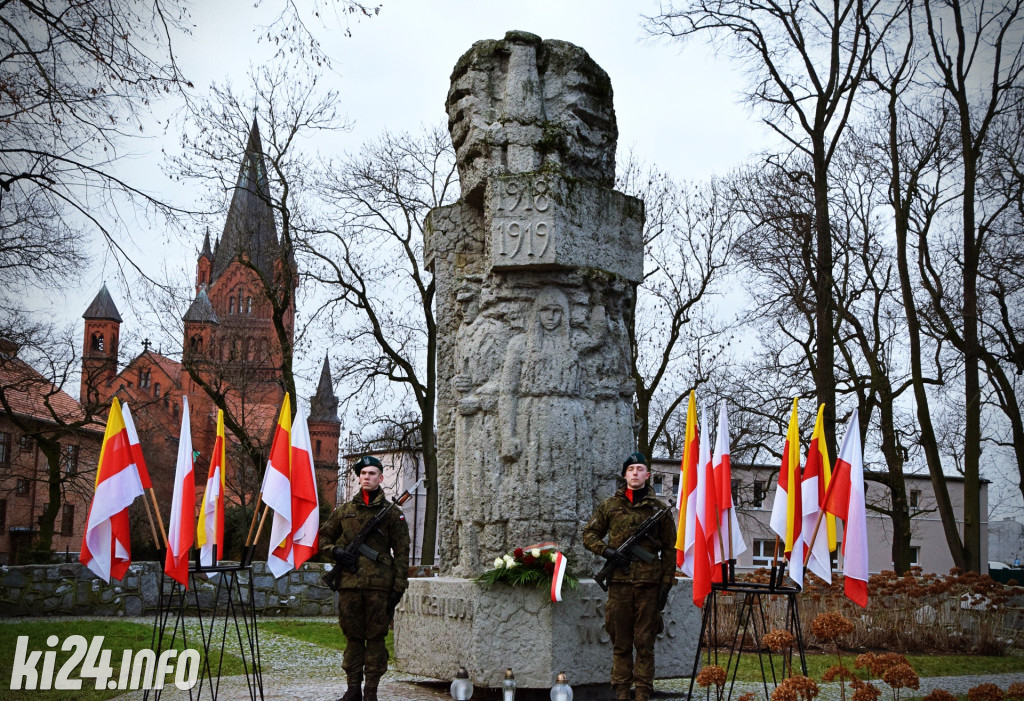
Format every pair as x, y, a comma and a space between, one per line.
535, 269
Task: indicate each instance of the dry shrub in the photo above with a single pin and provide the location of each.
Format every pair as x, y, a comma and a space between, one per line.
985, 692
795, 688
962, 612
939, 695
1015, 692
831, 626
778, 640
711, 675
864, 691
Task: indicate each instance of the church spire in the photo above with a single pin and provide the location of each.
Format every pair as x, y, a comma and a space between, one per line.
249, 229
324, 404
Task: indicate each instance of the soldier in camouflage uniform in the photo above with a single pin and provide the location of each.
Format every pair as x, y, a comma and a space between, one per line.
368, 597
636, 599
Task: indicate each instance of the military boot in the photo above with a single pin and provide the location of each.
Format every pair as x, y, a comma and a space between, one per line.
370, 693
643, 694
352, 693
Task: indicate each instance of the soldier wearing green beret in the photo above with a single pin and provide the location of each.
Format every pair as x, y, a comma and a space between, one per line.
367, 596
635, 597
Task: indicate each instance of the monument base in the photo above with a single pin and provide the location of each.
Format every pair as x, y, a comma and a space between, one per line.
443, 623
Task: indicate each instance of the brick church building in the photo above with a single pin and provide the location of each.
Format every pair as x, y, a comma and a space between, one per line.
229, 344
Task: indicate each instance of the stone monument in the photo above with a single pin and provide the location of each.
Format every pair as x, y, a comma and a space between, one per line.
535, 270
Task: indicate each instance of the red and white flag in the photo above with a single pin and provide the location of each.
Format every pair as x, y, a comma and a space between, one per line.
133, 440
786, 518
305, 505
706, 523
210, 529
180, 532
277, 492
846, 500
106, 545
727, 521
687, 491
815, 482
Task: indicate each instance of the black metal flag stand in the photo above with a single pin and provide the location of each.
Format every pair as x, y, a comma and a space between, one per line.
230, 621
752, 619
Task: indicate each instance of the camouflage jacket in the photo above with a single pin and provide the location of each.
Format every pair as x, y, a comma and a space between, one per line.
617, 518
391, 539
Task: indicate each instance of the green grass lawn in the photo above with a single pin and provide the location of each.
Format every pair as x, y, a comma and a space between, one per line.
924, 665
118, 637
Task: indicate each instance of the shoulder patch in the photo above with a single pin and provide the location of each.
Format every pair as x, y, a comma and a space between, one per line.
401, 517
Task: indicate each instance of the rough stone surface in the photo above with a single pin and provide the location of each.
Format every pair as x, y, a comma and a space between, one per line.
446, 622
534, 268
75, 590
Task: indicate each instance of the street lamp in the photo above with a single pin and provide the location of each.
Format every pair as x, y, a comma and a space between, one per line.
508, 686
462, 687
561, 691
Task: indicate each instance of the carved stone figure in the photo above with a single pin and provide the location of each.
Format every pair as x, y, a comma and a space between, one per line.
534, 266
535, 269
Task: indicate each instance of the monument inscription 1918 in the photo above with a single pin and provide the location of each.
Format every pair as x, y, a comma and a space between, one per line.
535, 270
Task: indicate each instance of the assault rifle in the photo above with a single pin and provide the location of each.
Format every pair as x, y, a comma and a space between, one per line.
631, 547
358, 544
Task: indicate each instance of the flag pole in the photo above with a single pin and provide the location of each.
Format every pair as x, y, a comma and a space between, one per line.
149, 517
159, 519
263, 519
817, 524
252, 525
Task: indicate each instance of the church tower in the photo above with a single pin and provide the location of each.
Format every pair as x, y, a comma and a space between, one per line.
325, 434
229, 327
99, 346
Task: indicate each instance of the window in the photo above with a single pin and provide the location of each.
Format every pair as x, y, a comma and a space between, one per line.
3, 515
156, 390
69, 456
915, 498
760, 492
762, 553
735, 489
21, 486
97, 342
167, 401
5, 449
658, 482
248, 305
143, 379
915, 555
67, 520
231, 305
25, 444
317, 447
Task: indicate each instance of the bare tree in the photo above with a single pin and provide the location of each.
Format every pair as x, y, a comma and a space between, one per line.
378, 295
806, 61
676, 340
275, 186
978, 63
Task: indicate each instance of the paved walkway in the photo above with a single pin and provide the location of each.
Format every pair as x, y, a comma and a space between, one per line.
293, 669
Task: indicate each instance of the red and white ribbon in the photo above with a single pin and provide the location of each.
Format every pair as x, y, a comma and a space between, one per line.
557, 577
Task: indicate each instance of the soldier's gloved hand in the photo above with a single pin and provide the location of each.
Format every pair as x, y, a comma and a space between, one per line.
615, 557
663, 596
393, 599
345, 559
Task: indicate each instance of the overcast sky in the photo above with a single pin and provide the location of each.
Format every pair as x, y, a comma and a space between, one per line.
677, 108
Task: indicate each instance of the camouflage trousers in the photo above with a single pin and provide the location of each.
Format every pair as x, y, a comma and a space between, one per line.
632, 621
363, 616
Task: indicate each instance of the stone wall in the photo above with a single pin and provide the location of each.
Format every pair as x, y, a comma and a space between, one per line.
73, 590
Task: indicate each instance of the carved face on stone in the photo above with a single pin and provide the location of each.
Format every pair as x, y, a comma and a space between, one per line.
551, 306
550, 316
